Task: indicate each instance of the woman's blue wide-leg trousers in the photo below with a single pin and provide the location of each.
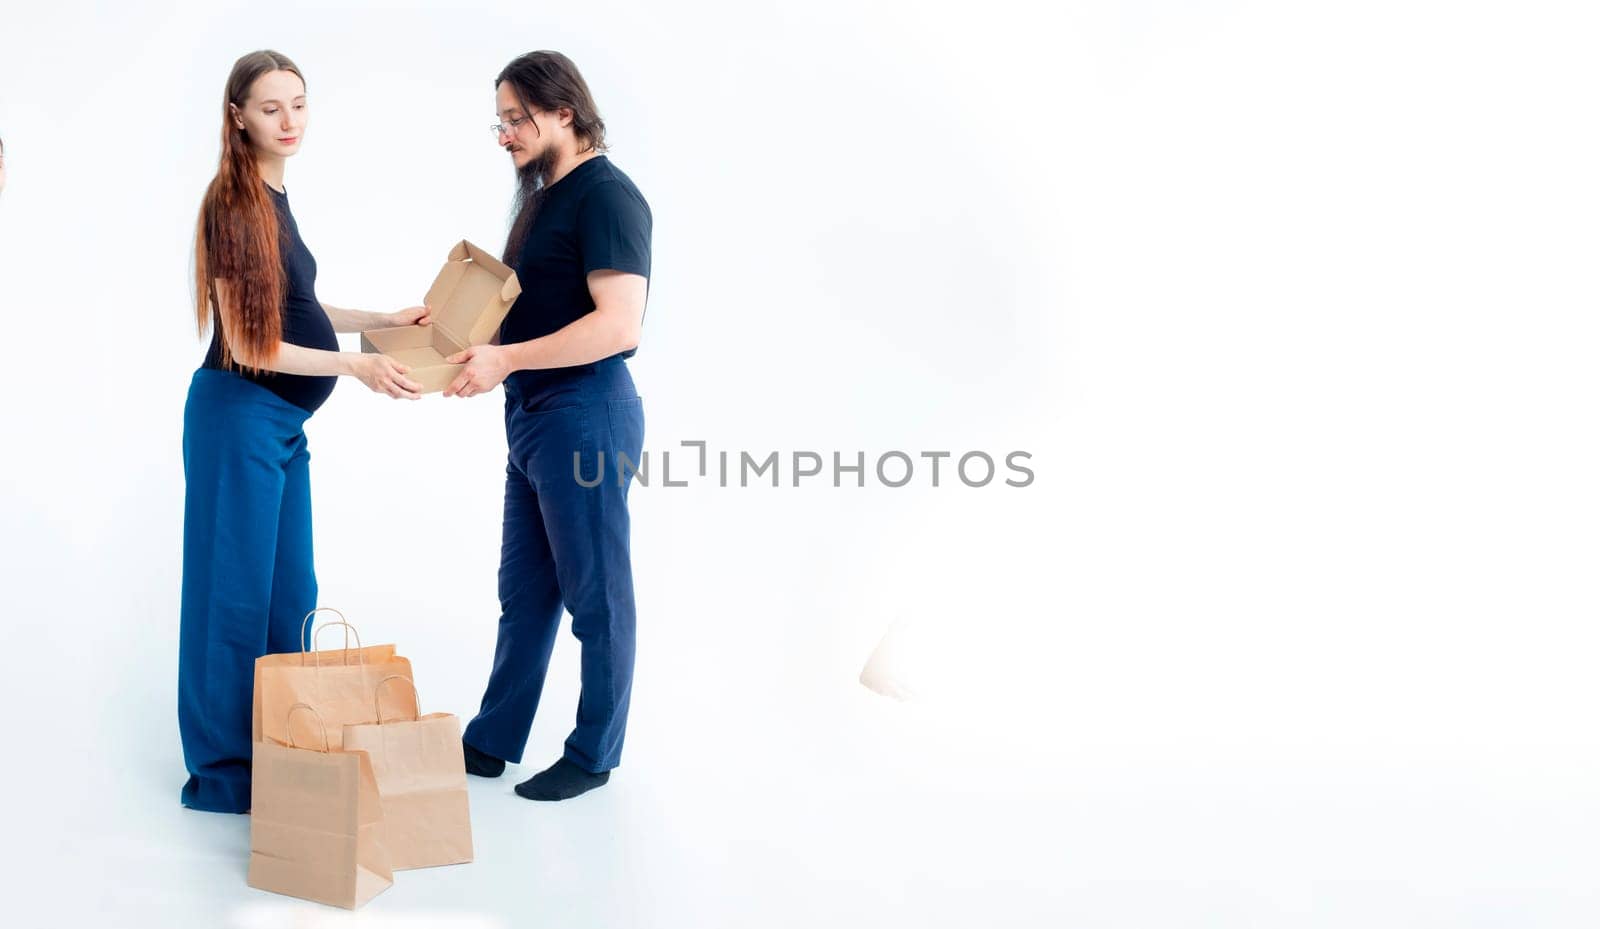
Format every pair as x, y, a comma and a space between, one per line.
564, 546
248, 579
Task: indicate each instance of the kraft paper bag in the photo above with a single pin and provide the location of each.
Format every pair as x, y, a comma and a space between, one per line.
422, 782
339, 685
316, 824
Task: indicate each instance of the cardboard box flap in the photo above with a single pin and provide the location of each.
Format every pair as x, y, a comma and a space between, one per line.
470, 299
472, 295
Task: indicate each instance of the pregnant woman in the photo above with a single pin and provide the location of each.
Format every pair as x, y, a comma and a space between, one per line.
247, 568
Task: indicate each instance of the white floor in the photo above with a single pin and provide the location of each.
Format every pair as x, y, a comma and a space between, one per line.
862, 811
806, 823
1212, 744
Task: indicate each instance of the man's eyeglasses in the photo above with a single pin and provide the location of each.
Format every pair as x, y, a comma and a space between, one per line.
509, 127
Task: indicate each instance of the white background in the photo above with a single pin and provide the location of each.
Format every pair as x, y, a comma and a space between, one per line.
1293, 305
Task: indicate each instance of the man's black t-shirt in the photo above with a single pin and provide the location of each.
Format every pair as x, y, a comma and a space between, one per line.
304, 322
592, 219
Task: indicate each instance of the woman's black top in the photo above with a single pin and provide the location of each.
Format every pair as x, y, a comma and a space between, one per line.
304, 321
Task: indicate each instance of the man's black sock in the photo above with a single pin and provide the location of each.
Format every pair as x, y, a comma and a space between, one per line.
561, 781
480, 764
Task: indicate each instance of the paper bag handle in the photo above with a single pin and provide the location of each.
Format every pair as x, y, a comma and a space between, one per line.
416, 699
289, 718
349, 630
307, 620
342, 621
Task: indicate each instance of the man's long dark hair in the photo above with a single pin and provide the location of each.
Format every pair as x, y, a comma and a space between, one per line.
546, 81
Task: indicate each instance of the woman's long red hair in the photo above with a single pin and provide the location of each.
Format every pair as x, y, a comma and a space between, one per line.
236, 238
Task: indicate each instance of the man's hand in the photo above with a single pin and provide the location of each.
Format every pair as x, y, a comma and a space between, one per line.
486, 367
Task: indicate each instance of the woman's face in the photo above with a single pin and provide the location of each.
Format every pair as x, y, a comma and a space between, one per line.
274, 114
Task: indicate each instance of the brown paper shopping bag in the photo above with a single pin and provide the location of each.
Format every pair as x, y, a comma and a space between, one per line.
316, 824
340, 690
422, 783
371, 654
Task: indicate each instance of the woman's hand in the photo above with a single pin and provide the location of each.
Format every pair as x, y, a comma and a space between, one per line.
410, 316
384, 375
486, 367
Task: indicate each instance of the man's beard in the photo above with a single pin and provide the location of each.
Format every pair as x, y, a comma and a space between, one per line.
532, 179
535, 175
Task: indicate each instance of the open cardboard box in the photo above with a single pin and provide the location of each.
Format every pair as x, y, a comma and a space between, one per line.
470, 299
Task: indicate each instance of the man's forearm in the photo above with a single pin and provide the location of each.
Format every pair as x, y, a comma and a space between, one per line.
589, 338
